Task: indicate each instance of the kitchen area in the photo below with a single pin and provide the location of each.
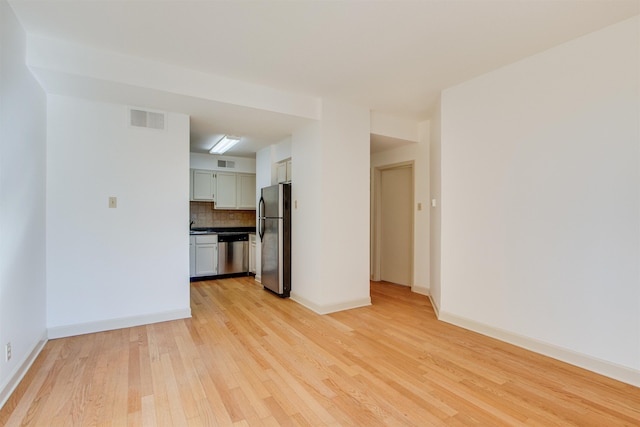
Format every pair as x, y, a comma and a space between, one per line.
222, 226
224, 217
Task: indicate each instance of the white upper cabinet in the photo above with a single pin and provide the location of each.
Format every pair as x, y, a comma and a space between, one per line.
203, 185
246, 197
229, 190
227, 197
283, 171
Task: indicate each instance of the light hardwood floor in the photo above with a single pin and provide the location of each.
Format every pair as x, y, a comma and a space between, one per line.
250, 358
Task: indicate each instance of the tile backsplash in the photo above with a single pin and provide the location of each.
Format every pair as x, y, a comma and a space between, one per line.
206, 216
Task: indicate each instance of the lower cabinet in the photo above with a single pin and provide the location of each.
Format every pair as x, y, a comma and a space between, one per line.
252, 253
206, 255
192, 256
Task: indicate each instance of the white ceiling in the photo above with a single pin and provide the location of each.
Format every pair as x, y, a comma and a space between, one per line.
393, 57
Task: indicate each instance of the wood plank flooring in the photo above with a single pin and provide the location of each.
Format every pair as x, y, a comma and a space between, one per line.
248, 358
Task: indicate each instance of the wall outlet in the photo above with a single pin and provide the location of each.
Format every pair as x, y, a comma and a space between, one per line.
7, 352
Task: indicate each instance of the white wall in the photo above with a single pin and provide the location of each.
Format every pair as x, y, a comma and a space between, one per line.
110, 268
22, 206
281, 151
70, 59
306, 217
417, 153
330, 170
209, 162
435, 147
396, 127
541, 200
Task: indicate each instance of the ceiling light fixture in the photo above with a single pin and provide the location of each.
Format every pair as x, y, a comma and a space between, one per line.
224, 144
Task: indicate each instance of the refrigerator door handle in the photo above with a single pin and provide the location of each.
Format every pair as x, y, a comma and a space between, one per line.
261, 207
261, 217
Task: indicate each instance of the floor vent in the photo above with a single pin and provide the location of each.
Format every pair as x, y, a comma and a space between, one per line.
147, 119
228, 164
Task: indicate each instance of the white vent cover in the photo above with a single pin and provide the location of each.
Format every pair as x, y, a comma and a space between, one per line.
146, 119
229, 164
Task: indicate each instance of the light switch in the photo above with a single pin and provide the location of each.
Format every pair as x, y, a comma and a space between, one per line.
113, 202
419, 206
433, 203
295, 204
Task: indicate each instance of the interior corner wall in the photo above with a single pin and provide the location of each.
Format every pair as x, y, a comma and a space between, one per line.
330, 235
435, 146
22, 205
306, 216
345, 204
282, 150
541, 198
115, 267
418, 153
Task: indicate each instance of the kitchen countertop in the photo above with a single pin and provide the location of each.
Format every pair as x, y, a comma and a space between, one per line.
216, 230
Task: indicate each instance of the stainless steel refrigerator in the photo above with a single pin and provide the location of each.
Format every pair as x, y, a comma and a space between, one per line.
274, 219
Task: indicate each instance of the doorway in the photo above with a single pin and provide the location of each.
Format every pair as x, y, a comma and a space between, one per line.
393, 224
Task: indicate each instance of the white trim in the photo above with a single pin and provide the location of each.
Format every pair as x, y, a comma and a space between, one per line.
123, 322
14, 379
603, 367
435, 306
422, 290
326, 309
258, 278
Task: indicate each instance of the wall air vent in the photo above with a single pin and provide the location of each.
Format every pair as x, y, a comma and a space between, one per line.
147, 119
228, 164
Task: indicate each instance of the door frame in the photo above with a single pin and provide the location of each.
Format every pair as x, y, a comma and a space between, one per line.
376, 220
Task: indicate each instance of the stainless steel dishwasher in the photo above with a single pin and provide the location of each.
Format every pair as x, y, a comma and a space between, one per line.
233, 252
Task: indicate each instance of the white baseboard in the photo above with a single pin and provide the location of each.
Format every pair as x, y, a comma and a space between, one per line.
326, 309
123, 322
258, 278
602, 367
435, 306
422, 290
14, 379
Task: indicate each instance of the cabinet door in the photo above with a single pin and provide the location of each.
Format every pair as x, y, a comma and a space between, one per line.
246, 191
192, 256
203, 185
226, 190
281, 172
206, 259
252, 254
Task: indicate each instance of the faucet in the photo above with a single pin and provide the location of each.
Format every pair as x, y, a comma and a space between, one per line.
191, 224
